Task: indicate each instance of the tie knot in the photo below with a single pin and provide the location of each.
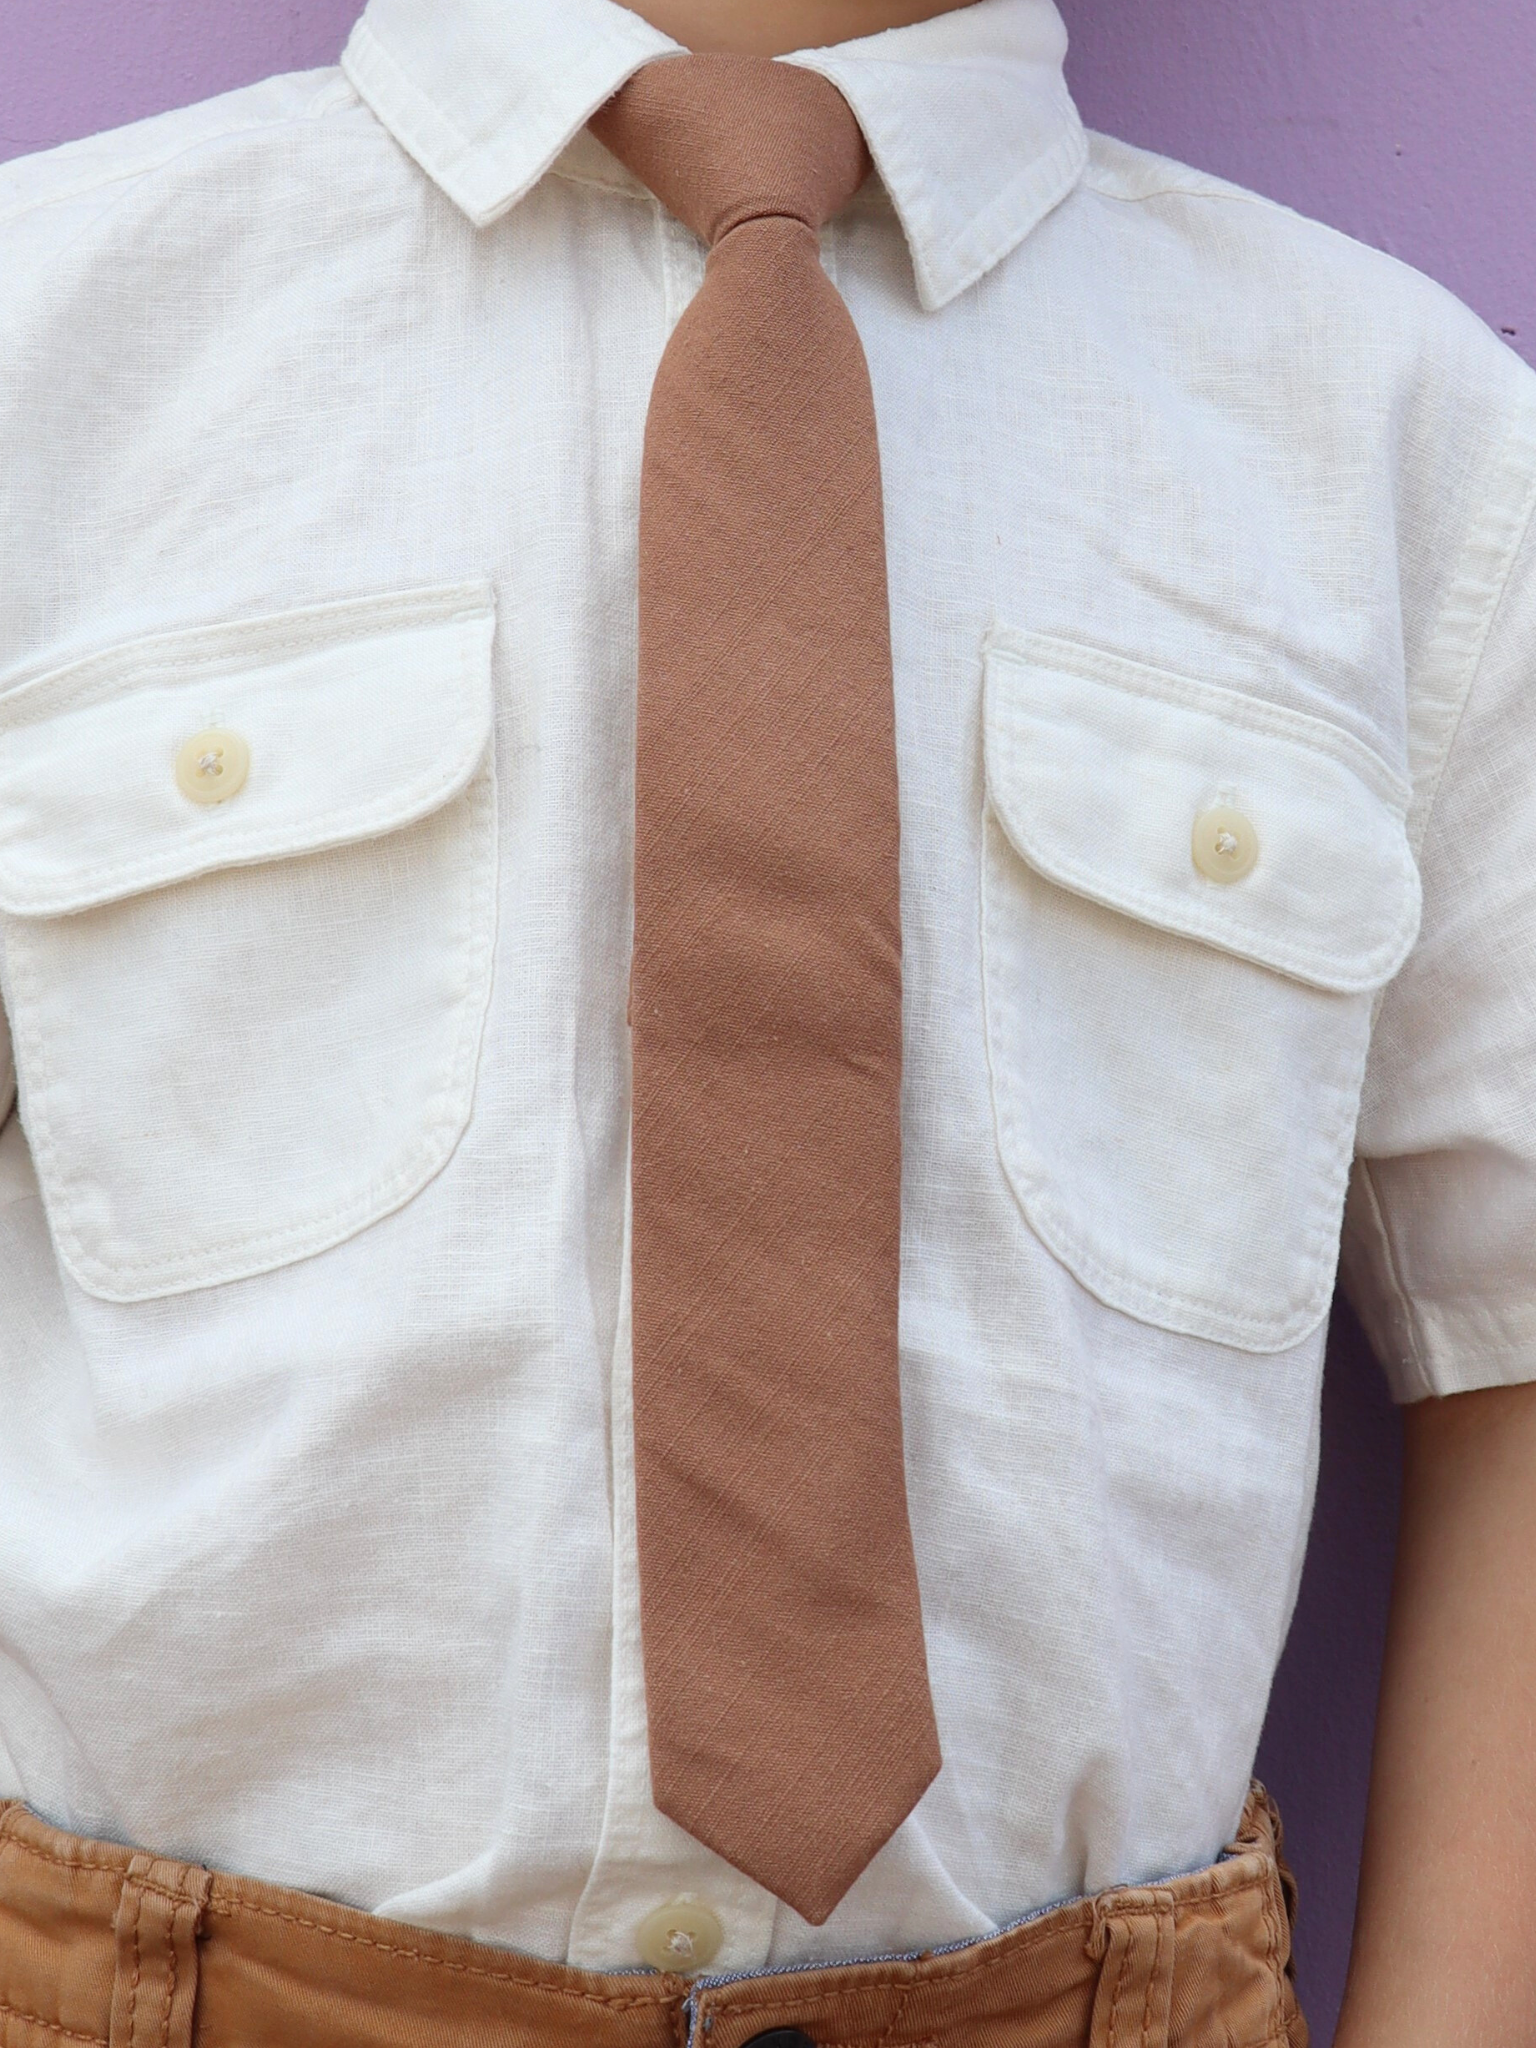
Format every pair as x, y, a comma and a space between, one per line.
721, 140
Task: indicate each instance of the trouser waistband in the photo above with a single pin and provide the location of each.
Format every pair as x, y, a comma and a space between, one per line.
106, 1947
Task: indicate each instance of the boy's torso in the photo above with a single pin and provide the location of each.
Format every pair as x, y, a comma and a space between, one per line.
315, 1503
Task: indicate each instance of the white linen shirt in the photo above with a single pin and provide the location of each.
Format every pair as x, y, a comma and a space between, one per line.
320, 422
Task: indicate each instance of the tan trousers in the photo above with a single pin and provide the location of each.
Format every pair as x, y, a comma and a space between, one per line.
106, 1948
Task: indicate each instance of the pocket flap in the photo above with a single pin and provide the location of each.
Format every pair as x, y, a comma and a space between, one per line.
1099, 769
358, 717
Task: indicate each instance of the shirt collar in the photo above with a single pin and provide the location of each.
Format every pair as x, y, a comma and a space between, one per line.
967, 116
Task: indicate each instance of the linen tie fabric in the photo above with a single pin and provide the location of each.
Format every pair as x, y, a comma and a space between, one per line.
791, 1725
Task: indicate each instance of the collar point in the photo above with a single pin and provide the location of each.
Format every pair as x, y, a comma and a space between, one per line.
488, 147
942, 274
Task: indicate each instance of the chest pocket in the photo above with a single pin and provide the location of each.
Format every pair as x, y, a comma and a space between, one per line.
1189, 900
247, 883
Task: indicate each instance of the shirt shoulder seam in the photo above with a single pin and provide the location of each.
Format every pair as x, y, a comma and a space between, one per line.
1174, 180
1174, 188
1495, 589
1185, 182
324, 101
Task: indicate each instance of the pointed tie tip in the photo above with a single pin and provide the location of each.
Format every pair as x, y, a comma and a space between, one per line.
809, 1859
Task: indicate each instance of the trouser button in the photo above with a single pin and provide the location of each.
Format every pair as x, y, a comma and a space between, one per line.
781, 2037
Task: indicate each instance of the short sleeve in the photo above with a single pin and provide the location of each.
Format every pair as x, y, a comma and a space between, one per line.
1439, 1254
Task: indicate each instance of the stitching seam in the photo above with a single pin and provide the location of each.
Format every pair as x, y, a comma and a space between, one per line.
1153, 1979
133, 1988
904, 1999
342, 625
1013, 1948
237, 1910
1522, 527
1129, 1941
1481, 538
22, 1847
35, 2019
168, 1996
1029, 650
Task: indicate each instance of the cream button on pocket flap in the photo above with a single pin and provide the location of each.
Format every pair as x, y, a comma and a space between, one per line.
211, 767
1330, 891
395, 688
1225, 845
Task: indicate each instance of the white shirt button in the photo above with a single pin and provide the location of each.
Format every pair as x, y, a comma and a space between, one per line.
681, 1937
1225, 845
212, 766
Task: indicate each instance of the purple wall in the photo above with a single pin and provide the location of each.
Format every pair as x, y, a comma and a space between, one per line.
1316, 1752
1412, 127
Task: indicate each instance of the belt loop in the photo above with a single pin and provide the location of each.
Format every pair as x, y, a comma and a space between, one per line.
159, 1918
1295, 2024
1133, 1934
1287, 1878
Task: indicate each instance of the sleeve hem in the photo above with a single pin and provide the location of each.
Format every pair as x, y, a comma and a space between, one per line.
1464, 1347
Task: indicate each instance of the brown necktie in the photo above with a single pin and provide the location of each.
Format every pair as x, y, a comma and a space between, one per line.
791, 1727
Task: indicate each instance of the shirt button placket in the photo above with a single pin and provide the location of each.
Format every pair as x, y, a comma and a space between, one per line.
683, 1936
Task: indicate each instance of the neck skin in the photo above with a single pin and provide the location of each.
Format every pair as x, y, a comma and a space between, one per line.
769, 28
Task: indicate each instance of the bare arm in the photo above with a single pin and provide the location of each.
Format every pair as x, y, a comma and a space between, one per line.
1444, 1953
